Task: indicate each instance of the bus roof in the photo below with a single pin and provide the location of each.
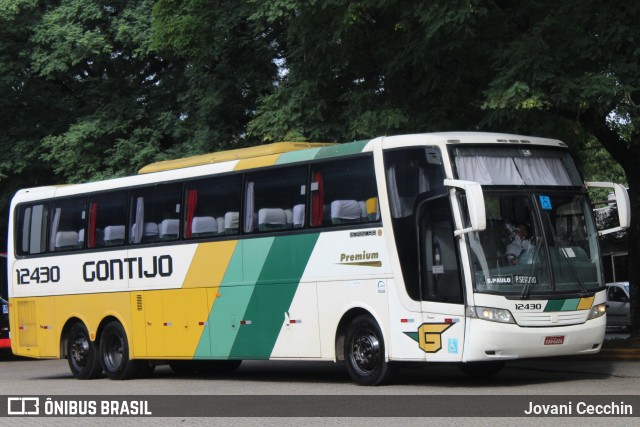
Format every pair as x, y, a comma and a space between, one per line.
237, 154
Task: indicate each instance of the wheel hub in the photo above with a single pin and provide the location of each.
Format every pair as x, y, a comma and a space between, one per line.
79, 350
366, 350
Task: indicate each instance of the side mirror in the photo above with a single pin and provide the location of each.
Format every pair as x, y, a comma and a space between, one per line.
622, 201
475, 204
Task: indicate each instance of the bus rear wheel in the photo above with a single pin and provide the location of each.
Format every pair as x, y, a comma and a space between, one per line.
82, 354
114, 353
365, 352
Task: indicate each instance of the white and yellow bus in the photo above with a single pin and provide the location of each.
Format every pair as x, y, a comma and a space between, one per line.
378, 252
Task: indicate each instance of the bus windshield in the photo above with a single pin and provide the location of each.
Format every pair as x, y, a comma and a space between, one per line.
536, 243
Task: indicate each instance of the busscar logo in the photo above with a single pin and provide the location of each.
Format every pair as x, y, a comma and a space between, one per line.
23, 406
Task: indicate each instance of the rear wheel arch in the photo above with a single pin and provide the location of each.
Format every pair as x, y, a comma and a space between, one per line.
343, 324
82, 353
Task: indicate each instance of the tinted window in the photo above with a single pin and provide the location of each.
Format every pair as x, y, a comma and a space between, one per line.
272, 197
31, 232
107, 220
212, 207
155, 213
344, 192
67, 224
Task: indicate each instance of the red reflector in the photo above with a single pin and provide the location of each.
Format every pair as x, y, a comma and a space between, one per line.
404, 320
448, 320
555, 340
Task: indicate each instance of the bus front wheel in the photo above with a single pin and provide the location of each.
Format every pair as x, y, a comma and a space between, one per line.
82, 354
365, 352
114, 353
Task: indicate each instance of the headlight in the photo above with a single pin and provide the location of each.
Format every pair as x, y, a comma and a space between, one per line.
597, 311
492, 314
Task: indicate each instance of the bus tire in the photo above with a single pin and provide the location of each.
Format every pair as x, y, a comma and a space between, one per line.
114, 353
365, 352
82, 353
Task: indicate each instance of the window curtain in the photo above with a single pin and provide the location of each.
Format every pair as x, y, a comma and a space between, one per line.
248, 208
317, 201
394, 196
543, 171
488, 170
139, 224
493, 170
93, 215
54, 228
192, 200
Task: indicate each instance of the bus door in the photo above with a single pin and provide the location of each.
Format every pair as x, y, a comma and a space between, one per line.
441, 334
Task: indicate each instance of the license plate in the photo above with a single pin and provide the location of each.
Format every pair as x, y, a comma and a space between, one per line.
554, 340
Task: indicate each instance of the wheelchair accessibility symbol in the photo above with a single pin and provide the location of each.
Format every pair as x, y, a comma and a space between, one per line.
453, 346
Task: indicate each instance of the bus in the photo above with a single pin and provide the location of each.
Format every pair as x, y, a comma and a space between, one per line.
376, 253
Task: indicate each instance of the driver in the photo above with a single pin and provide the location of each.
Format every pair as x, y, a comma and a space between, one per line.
519, 245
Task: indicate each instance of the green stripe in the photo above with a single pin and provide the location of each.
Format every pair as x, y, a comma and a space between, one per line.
298, 156
413, 335
275, 289
259, 285
554, 305
342, 149
562, 305
236, 297
570, 304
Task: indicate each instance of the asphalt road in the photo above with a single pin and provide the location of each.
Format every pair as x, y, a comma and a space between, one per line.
540, 377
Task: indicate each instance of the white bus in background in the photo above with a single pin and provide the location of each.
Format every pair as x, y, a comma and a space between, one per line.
466, 248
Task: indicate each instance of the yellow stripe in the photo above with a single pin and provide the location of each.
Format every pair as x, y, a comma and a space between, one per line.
237, 154
209, 264
258, 162
585, 303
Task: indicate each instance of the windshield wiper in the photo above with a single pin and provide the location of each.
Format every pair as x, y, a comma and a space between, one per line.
583, 289
525, 290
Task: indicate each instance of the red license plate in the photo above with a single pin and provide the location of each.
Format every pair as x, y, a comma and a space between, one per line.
554, 340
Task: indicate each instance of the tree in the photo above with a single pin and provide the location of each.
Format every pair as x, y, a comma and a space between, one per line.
91, 94
350, 70
575, 64
567, 70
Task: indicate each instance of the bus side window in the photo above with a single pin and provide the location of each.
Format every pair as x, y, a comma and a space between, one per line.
107, 219
344, 192
271, 197
155, 214
208, 202
67, 228
32, 229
